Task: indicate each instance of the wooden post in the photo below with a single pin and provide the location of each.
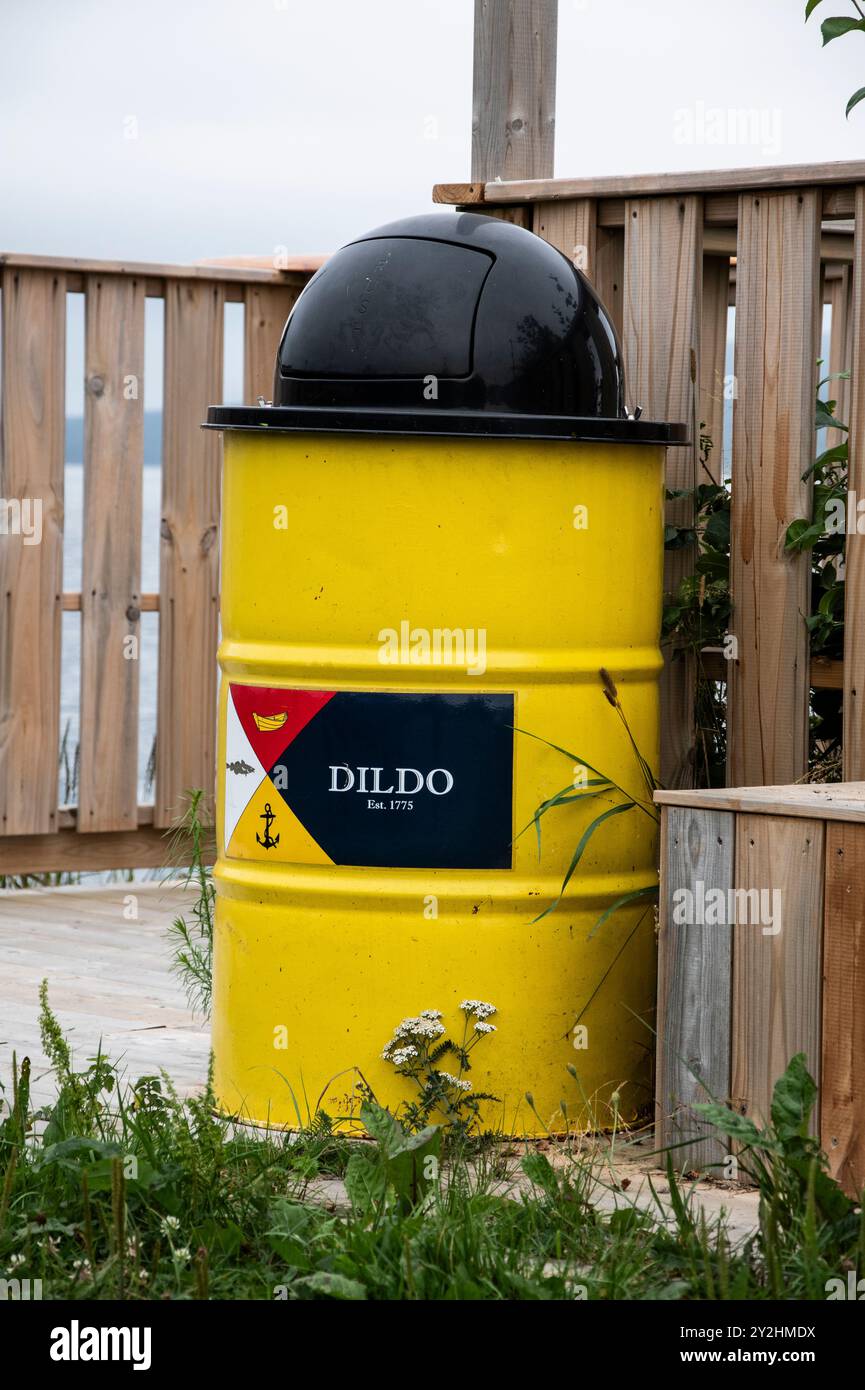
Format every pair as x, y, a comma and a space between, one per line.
777, 338
662, 299
854, 588
111, 583
713, 356
842, 1118
31, 553
189, 569
839, 294
694, 975
514, 96
266, 309
777, 970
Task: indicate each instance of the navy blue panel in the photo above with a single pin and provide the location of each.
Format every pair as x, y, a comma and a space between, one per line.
406, 781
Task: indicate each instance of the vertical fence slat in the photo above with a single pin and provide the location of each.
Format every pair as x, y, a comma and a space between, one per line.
776, 978
777, 332
609, 278
266, 308
713, 356
31, 574
854, 588
694, 966
842, 1093
110, 615
571, 226
662, 310
189, 562
839, 295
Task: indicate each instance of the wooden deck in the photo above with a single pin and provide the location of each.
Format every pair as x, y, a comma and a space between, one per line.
109, 980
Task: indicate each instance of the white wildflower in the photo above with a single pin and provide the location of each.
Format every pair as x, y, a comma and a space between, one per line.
169, 1225
16, 1260
431, 1013
424, 1026
485, 1027
455, 1081
143, 1276
182, 1254
403, 1055
428, 1028
478, 1008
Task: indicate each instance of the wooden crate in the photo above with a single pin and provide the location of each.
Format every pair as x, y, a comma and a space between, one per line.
762, 955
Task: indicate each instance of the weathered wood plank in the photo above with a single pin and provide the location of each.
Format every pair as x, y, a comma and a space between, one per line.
31, 550
713, 357
776, 959
110, 600
518, 216
773, 176
266, 310
853, 746
232, 270
189, 577
572, 228
68, 851
777, 334
662, 309
514, 89
826, 800
694, 981
609, 278
842, 1094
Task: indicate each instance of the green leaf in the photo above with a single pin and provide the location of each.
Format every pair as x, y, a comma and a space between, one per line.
365, 1181
811, 7
66, 1149
855, 99
381, 1124
578, 852
324, 1284
563, 798
793, 1100
649, 892
737, 1127
717, 531
406, 1167
835, 27
540, 1172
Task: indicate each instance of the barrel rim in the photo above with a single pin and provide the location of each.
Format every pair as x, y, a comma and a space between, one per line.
481, 424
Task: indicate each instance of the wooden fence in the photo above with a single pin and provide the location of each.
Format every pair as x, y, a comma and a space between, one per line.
668, 253
108, 828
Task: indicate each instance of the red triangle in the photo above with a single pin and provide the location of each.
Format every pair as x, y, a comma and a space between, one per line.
267, 701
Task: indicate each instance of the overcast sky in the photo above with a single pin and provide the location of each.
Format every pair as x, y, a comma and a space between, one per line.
173, 129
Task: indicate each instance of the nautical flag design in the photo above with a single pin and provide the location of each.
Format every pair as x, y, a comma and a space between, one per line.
369, 778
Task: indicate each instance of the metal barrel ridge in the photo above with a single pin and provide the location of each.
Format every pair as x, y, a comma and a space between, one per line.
436, 536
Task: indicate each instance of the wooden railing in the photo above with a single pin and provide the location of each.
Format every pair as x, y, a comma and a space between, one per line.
668, 255
659, 249
108, 828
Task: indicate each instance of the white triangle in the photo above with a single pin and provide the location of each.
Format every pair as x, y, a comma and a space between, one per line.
240, 787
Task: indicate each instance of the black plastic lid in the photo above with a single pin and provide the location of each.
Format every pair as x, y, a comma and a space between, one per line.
450, 323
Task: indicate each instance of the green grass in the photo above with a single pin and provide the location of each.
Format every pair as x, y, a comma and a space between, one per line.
126, 1190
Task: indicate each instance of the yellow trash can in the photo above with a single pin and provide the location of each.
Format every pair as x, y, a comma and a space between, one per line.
435, 536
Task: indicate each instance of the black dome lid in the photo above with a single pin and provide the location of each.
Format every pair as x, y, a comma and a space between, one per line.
450, 323
500, 319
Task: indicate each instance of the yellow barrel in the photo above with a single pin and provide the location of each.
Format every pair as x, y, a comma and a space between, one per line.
415, 607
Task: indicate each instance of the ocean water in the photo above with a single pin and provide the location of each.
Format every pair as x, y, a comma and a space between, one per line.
148, 651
